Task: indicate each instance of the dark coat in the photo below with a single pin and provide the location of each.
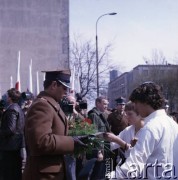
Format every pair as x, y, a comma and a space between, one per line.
12, 129
117, 122
99, 119
46, 140
11, 142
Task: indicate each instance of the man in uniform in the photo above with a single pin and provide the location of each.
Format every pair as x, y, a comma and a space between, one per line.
118, 122
46, 131
117, 119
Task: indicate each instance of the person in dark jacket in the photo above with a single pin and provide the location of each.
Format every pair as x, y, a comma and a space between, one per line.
99, 114
11, 137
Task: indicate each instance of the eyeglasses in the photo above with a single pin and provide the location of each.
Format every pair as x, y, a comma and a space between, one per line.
64, 87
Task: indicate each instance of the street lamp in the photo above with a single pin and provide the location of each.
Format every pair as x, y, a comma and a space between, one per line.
97, 59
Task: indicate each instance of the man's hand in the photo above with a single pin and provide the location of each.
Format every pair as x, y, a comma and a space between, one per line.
100, 156
78, 141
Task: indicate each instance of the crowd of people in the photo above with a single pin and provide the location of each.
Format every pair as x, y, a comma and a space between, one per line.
35, 145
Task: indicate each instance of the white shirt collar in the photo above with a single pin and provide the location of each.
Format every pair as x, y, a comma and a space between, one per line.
154, 114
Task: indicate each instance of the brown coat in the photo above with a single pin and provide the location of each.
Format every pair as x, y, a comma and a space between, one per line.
46, 140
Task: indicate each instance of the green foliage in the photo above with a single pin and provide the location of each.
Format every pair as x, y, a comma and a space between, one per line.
84, 127
80, 128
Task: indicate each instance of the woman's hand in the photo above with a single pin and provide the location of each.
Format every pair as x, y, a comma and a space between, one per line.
109, 137
133, 141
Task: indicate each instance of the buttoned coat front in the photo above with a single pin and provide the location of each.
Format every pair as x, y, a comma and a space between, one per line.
46, 140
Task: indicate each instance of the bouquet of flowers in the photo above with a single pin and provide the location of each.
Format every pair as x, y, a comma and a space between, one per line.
94, 140
81, 127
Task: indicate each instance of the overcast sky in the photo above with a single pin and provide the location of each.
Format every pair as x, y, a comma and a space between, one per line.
139, 27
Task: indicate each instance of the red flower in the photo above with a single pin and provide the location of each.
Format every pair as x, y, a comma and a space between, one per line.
88, 120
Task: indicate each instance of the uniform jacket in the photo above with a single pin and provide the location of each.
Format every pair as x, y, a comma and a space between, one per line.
117, 122
46, 140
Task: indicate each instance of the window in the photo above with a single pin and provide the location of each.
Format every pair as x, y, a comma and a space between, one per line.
145, 72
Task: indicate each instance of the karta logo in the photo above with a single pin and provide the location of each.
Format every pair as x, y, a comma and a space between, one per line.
157, 170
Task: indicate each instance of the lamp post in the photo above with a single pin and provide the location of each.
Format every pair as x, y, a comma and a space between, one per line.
97, 58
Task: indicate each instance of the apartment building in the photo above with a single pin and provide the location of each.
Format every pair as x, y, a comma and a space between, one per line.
165, 75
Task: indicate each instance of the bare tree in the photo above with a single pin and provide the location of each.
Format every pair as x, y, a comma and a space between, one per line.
157, 58
83, 57
166, 77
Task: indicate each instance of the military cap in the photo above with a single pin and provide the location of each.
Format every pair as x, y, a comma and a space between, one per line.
62, 76
120, 100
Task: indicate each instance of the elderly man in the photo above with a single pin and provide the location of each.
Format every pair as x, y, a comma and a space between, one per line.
46, 131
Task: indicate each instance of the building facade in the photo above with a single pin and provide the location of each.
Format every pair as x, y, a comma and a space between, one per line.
164, 75
117, 88
40, 31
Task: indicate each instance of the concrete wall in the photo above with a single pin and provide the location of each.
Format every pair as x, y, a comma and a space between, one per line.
39, 29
